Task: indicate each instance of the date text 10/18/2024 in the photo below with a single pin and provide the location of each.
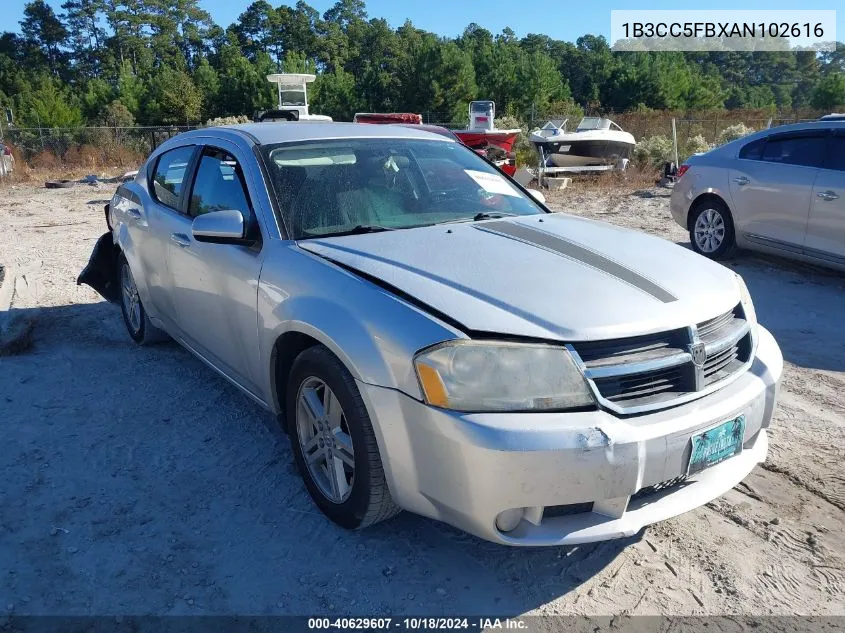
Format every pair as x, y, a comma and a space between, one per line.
416, 624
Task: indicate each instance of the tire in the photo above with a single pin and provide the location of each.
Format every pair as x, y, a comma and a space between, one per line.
59, 184
711, 229
135, 317
365, 500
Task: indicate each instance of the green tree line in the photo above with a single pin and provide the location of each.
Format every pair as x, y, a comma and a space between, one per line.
119, 62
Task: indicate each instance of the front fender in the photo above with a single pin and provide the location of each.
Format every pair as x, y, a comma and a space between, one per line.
374, 333
370, 352
123, 240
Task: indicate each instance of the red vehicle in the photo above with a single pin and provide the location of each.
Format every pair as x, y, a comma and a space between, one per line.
496, 145
387, 117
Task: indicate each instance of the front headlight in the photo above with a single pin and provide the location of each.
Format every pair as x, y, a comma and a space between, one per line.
747, 304
501, 376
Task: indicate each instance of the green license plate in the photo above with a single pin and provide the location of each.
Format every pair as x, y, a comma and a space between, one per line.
716, 445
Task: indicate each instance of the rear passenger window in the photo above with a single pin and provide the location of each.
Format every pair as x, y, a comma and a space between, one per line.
806, 151
219, 185
835, 153
169, 177
753, 150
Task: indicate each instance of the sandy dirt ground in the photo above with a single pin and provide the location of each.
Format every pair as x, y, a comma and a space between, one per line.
136, 481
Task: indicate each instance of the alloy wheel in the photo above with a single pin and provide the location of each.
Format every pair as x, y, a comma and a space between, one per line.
709, 230
325, 439
131, 300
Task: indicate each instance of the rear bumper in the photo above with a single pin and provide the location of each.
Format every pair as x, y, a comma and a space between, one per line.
465, 469
680, 201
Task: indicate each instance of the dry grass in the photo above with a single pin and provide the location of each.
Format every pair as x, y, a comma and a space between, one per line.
95, 158
78, 162
26, 175
708, 123
614, 182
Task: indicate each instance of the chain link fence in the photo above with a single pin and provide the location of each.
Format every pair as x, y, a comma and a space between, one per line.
93, 147
103, 147
696, 131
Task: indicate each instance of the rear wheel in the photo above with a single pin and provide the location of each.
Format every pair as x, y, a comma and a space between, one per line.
333, 442
135, 317
712, 229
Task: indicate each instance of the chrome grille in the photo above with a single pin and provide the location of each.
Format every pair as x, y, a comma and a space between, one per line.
721, 365
631, 350
646, 387
712, 326
648, 372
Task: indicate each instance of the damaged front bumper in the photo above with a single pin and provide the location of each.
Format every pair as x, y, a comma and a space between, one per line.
566, 478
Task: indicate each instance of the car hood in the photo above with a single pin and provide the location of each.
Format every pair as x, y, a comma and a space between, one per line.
551, 276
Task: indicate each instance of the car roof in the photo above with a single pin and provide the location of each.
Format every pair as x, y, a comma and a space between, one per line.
806, 125
435, 129
779, 129
285, 132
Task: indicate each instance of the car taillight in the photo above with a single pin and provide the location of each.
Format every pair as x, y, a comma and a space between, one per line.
682, 170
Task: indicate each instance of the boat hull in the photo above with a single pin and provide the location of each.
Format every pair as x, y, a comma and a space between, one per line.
495, 145
582, 153
482, 139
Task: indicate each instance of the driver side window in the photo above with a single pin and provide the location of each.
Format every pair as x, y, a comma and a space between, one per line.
219, 185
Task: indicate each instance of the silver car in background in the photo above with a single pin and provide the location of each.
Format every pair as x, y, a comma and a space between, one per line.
433, 339
780, 191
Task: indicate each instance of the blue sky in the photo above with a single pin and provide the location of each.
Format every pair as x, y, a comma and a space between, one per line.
559, 19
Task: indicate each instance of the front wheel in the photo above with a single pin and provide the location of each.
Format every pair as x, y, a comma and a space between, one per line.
333, 442
712, 229
135, 317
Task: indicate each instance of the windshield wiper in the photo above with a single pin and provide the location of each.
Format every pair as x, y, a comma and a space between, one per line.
480, 216
355, 230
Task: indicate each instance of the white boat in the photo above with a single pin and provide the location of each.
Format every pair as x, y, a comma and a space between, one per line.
293, 98
595, 142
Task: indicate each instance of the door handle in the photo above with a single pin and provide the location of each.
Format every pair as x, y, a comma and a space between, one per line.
181, 239
741, 180
134, 213
828, 195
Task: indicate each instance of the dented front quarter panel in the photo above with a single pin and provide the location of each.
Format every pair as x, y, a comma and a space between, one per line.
373, 332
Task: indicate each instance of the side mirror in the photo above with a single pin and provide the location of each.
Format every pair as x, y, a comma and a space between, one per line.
538, 196
220, 227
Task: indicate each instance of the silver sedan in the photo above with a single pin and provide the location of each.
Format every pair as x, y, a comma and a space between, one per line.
434, 339
780, 191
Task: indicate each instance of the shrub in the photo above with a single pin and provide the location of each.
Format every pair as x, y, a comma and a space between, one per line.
506, 123
694, 145
86, 156
654, 151
45, 160
227, 120
733, 132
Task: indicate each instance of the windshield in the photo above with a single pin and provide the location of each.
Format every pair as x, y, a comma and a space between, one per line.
593, 123
293, 96
344, 186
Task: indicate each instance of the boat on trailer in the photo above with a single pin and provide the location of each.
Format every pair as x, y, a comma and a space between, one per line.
293, 99
596, 142
481, 135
